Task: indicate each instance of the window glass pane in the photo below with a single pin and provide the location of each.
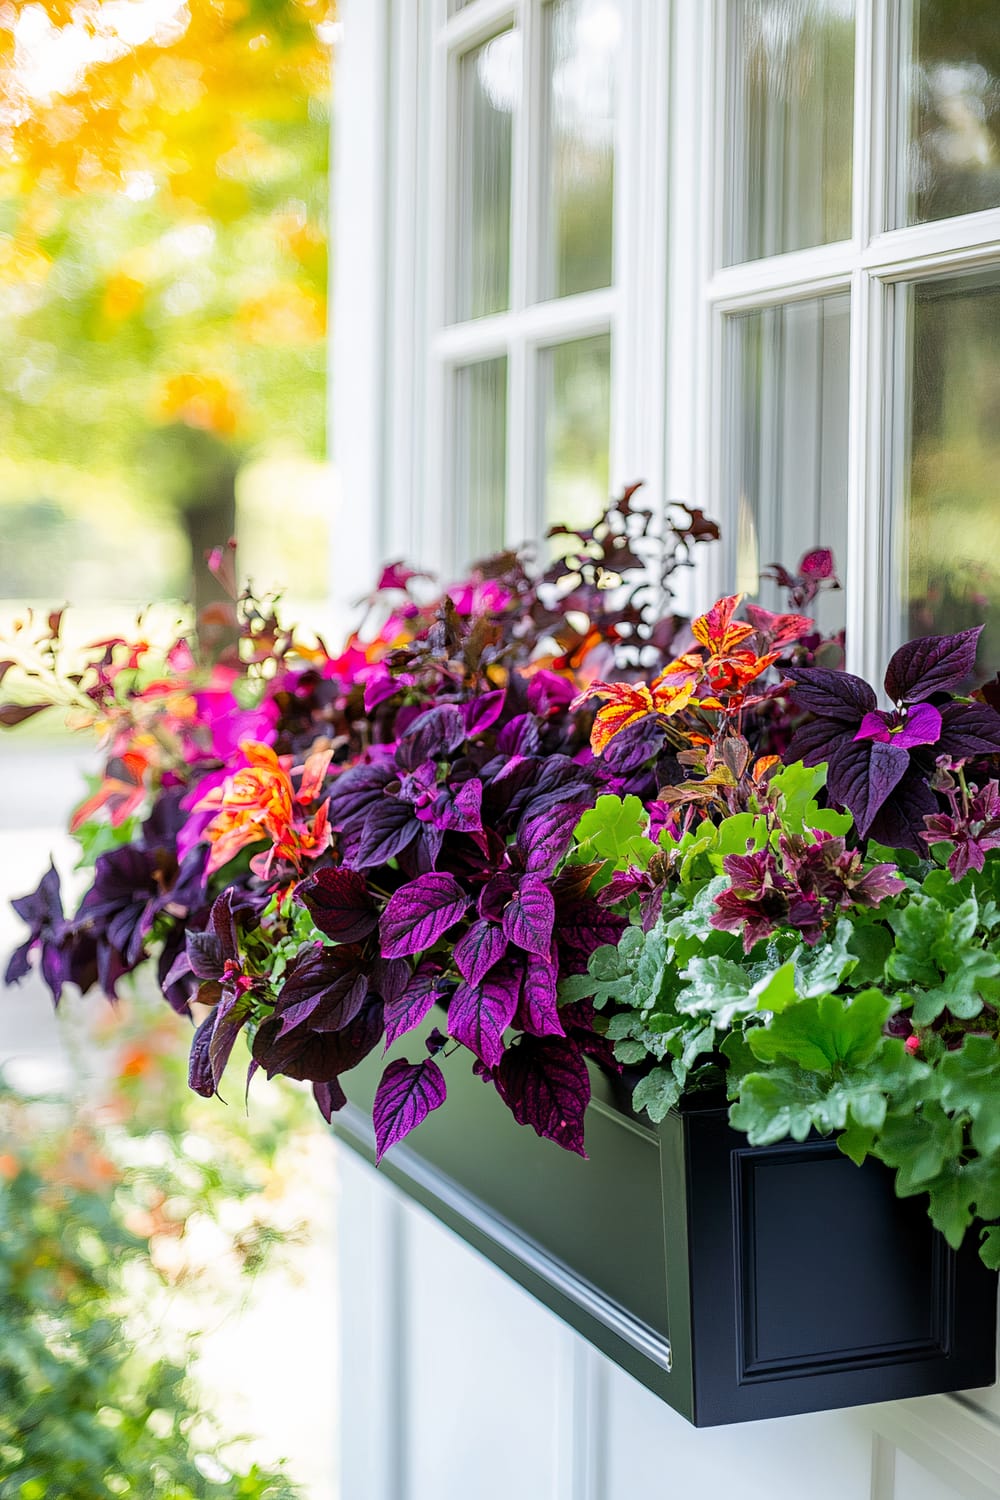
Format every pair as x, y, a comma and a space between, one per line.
955, 108
786, 442
489, 85
791, 125
576, 380
951, 543
481, 450
582, 51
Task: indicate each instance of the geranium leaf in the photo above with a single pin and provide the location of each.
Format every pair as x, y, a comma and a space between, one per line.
545, 1084
404, 1098
420, 912
932, 664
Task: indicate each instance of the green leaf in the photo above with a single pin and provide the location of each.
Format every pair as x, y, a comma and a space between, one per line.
919, 1146
970, 1082
822, 1032
787, 1101
657, 1093
717, 987
870, 944
820, 970
857, 1140
776, 991
734, 834
950, 1204
615, 829
989, 1248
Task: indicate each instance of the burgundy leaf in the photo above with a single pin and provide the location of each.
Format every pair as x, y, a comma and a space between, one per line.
900, 819
389, 827
318, 1056
325, 987
545, 1084
330, 1097
932, 664
418, 914
479, 949
404, 1098
478, 1015
356, 789
817, 564
968, 730
12, 714
389, 977
339, 904
230, 1016
861, 775
223, 922
831, 695
200, 1065
530, 914
204, 955
408, 1009
815, 741
538, 1012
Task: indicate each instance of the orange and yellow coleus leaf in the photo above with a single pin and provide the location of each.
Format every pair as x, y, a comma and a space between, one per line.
717, 631
626, 703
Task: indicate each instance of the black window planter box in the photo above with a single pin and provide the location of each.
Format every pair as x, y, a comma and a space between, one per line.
736, 1282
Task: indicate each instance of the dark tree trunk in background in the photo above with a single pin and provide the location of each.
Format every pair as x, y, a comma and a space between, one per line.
210, 522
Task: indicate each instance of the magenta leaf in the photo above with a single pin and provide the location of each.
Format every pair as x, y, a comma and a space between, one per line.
460, 811
408, 1009
339, 904
483, 711
520, 737
404, 1098
817, 564
418, 914
932, 664
538, 1012
906, 729
529, 915
478, 1015
861, 775
545, 1084
479, 949
832, 695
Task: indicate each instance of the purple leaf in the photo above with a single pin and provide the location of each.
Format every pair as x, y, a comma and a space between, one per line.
389, 827
388, 978
538, 1012
478, 1015
545, 1084
418, 914
461, 811
900, 819
933, 664
968, 730
404, 1098
495, 894
330, 1097
204, 955
353, 791
408, 1009
520, 737
861, 775
483, 711
831, 695
543, 839
479, 949
815, 741
200, 1065
339, 904
435, 734
318, 1056
817, 564
529, 916
230, 1016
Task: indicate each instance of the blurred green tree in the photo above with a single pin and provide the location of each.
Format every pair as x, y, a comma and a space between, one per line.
162, 242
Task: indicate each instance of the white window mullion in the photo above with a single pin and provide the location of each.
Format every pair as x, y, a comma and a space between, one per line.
442, 172
521, 520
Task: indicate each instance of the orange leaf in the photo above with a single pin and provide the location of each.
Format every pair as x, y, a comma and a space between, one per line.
717, 631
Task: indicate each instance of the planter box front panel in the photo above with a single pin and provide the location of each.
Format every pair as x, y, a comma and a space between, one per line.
736, 1282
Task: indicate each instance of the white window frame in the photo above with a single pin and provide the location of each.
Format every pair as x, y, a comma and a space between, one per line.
666, 310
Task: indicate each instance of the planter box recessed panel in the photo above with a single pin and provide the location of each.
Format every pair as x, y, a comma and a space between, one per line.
736, 1282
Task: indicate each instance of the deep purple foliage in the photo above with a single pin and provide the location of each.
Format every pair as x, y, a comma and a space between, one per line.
404, 1098
545, 1084
881, 762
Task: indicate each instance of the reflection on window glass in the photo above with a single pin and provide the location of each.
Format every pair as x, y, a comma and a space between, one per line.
489, 84
481, 448
791, 125
583, 42
786, 442
952, 515
576, 380
955, 108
